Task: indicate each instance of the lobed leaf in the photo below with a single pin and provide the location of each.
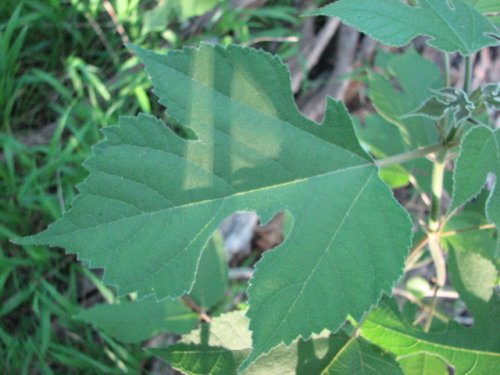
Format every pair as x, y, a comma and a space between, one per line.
152, 199
452, 25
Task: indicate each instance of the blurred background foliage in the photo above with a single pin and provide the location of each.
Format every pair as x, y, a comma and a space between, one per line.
64, 74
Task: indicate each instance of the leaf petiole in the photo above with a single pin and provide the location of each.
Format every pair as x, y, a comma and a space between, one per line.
413, 154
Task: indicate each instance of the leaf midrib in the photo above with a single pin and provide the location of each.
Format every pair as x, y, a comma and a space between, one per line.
221, 199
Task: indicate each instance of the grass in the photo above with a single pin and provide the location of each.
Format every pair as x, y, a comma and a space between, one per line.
65, 74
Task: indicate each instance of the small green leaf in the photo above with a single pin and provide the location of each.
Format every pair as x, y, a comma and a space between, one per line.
211, 278
479, 156
463, 348
135, 321
423, 363
491, 94
219, 348
452, 25
433, 108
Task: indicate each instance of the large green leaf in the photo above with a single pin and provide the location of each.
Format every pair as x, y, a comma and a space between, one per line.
479, 156
463, 348
152, 199
219, 349
452, 25
135, 321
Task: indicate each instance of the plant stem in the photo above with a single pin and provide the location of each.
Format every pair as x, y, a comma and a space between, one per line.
411, 155
435, 218
447, 75
437, 191
193, 306
468, 74
428, 323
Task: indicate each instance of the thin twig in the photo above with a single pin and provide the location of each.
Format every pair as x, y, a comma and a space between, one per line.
410, 297
313, 106
428, 323
119, 27
102, 37
193, 306
289, 39
411, 155
469, 229
311, 50
416, 253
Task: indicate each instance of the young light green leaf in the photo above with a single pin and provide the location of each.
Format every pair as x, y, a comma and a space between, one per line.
452, 25
211, 278
491, 94
479, 156
152, 199
462, 348
212, 350
446, 100
136, 321
423, 363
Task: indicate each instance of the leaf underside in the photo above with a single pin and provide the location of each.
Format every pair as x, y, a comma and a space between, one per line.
452, 25
152, 199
